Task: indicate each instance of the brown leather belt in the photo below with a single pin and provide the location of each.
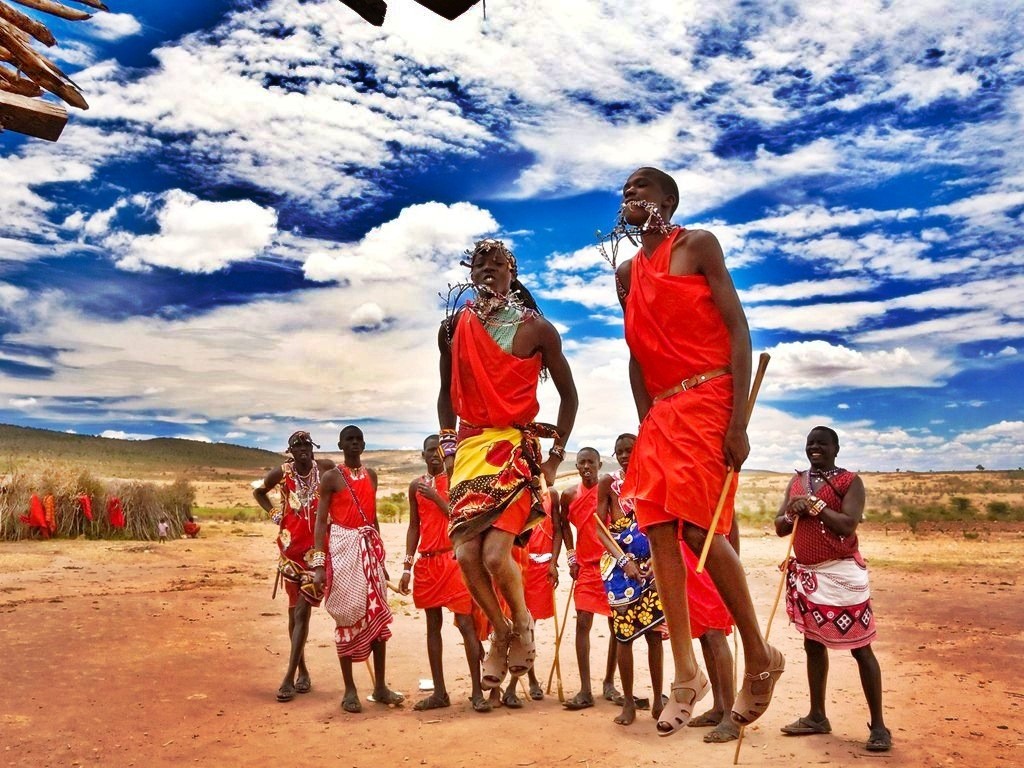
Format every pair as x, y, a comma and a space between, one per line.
435, 552
693, 381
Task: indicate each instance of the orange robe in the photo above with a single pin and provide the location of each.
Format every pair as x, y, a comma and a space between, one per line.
675, 331
494, 394
539, 597
589, 594
436, 578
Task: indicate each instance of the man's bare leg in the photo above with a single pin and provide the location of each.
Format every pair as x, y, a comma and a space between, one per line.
497, 560
381, 693
435, 651
350, 700
585, 697
469, 555
625, 659
608, 684
718, 659
670, 576
464, 622
726, 571
656, 663
298, 630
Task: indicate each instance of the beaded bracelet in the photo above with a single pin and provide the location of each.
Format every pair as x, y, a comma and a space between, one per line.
557, 450
408, 560
623, 561
570, 556
276, 516
818, 505
318, 559
447, 443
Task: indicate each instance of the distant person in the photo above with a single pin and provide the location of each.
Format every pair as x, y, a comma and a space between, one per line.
190, 526
436, 578
578, 506
827, 595
299, 482
162, 529
352, 569
689, 370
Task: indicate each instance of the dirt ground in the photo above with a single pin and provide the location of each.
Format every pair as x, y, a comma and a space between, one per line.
133, 654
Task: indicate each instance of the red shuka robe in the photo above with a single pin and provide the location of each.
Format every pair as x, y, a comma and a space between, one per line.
675, 331
589, 594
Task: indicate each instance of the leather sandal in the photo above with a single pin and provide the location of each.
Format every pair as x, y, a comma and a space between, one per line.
495, 664
749, 705
683, 697
522, 651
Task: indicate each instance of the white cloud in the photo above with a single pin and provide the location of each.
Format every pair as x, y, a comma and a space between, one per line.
22, 402
197, 236
811, 365
112, 26
118, 434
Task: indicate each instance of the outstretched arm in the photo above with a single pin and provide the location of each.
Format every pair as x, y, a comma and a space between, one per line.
412, 538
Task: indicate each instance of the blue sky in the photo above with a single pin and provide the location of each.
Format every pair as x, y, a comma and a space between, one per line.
248, 231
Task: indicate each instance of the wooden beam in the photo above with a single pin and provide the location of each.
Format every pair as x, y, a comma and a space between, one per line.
23, 22
55, 9
39, 68
33, 117
97, 4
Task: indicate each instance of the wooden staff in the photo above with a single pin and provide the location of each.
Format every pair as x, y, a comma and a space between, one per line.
557, 667
768, 628
558, 638
762, 364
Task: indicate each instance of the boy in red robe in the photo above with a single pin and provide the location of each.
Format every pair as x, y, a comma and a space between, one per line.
689, 370
492, 353
348, 561
578, 506
436, 579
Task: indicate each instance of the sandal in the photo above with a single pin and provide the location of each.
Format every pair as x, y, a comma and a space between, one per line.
286, 693
804, 726
495, 664
510, 699
724, 732
522, 651
303, 684
480, 704
749, 705
880, 739
579, 701
433, 701
682, 699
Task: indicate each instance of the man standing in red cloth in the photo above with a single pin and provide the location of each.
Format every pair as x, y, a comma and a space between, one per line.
348, 558
438, 581
578, 507
540, 574
493, 351
689, 370
299, 481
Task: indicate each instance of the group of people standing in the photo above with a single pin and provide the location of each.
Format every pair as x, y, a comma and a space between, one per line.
487, 529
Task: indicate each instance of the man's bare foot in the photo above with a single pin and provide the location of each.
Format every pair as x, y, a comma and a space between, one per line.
628, 714
495, 698
350, 702
660, 700
388, 697
433, 701
724, 732
709, 719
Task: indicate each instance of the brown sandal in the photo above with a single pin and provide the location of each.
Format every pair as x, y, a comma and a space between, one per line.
522, 651
749, 705
683, 697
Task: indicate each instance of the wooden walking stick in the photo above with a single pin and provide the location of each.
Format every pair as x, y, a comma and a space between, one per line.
557, 667
771, 617
558, 638
762, 364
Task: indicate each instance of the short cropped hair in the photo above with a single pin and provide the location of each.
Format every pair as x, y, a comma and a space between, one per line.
667, 183
832, 432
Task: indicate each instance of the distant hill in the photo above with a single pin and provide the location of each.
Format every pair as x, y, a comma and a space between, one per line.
20, 446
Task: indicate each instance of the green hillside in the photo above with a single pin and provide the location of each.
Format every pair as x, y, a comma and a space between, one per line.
24, 446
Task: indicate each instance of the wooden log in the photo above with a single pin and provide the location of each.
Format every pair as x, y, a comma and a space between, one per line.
97, 4
12, 82
26, 24
5, 55
33, 117
39, 68
55, 9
